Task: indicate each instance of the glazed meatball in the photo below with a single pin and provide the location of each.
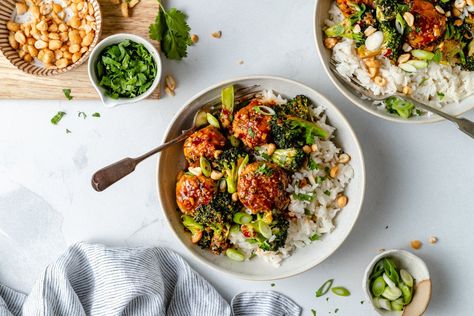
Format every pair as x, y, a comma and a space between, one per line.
193, 191
429, 24
347, 9
262, 187
204, 142
250, 127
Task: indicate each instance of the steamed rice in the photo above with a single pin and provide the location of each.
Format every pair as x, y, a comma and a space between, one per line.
308, 217
426, 84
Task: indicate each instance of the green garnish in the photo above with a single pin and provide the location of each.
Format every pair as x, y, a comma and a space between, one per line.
96, 114
378, 286
400, 107
327, 192
272, 285
264, 169
67, 93
303, 197
312, 165
172, 31
235, 254
340, 291
211, 119
423, 81
83, 114
314, 237
205, 166
125, 70
324, 288
55, 119
440, 95
313, 311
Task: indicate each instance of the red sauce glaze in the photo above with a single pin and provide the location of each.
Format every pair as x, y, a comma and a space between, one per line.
193, 191
263, 191
250, 127
429, 24
203, 143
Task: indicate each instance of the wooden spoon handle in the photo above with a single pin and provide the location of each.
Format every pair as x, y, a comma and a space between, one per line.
107, 176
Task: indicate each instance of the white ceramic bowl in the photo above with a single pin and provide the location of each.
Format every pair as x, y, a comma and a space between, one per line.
320, 15
114, 39
171, 161
403, 259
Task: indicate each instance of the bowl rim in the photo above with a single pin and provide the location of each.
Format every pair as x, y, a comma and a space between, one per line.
30, 68
387, 253
107, 41
302, 268
356, 100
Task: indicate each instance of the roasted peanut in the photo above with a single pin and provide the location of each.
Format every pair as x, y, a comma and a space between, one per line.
21, 8
12, 26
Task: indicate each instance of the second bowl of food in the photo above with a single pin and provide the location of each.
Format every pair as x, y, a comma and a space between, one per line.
271, 183
420, 48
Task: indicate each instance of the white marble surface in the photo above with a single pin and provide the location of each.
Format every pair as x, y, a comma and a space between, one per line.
420, 178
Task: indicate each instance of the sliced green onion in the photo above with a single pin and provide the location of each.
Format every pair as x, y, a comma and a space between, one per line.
242, 218
195, 171
227, 98
400, 23
201, 118
391, 270
376, 302
397, 305
387, 280
341, 291
235, 229
234, 141
211, 119
392, 293
324, 288
407, 293
378, 286
264, 229
243, 164
407, 67
406, 277
418, 64
235, 254
385, 304
378, 270
422, 54
265, 110
205, 166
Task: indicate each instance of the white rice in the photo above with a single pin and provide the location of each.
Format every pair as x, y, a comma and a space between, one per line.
426, 84
320, 213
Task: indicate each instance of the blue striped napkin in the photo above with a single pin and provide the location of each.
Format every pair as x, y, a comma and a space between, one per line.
94, 280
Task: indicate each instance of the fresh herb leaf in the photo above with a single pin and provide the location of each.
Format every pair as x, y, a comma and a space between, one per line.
314, 237
320, 179
82, 114
313, 311
302, 197
251, 132
440, 95
324, 288
264, 169
327, 192
312, 165
336, 310
55, 119
96, 114
361, 302
67, 93
171, 29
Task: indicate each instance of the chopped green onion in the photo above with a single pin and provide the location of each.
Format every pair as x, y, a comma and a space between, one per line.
243, 164
265, 110
55, 120
388, 281
205, 166
407, 67
438, 55
242, 218
392, 293
211, 119
378, 286
400, 23
385, 304
397, 305
341, 291
422, 54
407, 293
235, 254
418, 64
67, 94
264, 229
227, 98
314, 237
406, 277
324, 288
235, 229
391, 270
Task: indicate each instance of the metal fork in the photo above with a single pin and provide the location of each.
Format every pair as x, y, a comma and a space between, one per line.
107, 176
463, 124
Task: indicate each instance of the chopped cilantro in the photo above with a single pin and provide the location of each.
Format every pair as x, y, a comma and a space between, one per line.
82, 114
272, 285
264, 169
361, 302
312, 165
313, 311
96, 114
55, 119
314, 237
440, 95
327, 192
320, 179
303, 197
67, 93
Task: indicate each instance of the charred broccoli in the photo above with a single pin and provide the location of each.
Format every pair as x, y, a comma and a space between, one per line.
309, 129
284, 135
290, 159
219, 241
298, 106
220, 209
194, 227
205, 241
279, 229
386, 10
228, 163
469, 64
393, 40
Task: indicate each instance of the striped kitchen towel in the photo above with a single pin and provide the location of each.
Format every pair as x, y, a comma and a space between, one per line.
94, 280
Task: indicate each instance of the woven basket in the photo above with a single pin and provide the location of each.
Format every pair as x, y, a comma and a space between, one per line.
7, 8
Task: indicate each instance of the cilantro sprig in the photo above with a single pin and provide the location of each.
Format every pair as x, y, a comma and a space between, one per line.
172, 31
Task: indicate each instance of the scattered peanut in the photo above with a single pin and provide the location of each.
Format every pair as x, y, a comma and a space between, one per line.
404, 58
330, 42
344, 158
416, 244
217, 153
271, 149
216, 175
194, 38
235, 197
169, 92
407, 90
439, 9
458, 22
306, 149
334, 171
380, 81
124, 9
433, 240
342, 201
21, 8
370, 30
217, 34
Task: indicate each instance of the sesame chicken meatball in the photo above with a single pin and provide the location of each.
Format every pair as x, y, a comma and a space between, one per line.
250, 127
262, 187
204, 142
193, 191
429, 24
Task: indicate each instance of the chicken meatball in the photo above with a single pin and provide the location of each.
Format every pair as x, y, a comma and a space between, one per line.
429, 24
251, 127
204, 142
262, 187
193, 191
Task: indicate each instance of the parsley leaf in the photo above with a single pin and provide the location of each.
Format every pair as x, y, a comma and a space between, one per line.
96, 114
55, 119
67, 93
171, 29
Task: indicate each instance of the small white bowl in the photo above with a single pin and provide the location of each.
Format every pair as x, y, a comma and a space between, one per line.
403, 259
114, 39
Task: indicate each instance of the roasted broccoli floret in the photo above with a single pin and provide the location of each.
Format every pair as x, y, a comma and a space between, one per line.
290, 159
220, 209
228, 163
393, 40
285, 135
310, 129
386, 10
205, 241
469, 64
298, 106
400, 107
279, 227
